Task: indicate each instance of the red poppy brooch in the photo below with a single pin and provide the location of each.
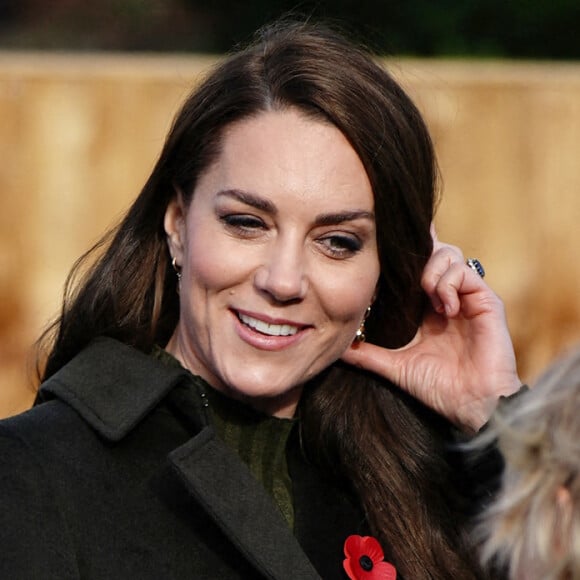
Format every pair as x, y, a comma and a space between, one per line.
365, 560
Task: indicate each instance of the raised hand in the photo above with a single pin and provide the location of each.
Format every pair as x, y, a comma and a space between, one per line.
461, 360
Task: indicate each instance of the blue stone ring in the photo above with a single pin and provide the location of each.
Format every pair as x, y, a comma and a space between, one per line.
476, 266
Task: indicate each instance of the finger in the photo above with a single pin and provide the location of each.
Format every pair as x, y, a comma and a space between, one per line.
440, 261
457, 289
439, 245
434, 235
370, 357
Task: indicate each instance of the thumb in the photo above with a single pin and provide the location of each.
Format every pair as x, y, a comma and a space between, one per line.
381, 361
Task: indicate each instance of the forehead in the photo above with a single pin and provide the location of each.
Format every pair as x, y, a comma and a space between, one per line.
288, 154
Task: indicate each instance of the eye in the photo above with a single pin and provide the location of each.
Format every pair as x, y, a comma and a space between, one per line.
341, 245
244, 224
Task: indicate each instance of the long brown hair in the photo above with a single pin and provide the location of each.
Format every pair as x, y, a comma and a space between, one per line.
387, 446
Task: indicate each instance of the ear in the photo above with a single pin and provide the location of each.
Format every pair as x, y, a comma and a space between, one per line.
174, 224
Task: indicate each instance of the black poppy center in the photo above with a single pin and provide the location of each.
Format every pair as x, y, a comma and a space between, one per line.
366, 563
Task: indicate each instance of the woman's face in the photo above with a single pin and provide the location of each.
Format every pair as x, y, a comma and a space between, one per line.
279, 259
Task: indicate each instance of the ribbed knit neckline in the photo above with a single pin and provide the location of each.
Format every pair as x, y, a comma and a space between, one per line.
259, 439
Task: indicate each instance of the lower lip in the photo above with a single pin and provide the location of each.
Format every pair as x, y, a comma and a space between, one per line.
265, 341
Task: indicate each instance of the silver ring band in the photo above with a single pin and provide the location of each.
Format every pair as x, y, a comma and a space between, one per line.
476, 266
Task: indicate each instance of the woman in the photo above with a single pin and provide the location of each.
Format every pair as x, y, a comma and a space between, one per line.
205, 365
532, 528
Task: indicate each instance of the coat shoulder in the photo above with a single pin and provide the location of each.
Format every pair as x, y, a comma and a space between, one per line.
27, 498
112, 386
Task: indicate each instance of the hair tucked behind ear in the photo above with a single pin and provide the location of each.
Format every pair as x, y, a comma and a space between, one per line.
388, 447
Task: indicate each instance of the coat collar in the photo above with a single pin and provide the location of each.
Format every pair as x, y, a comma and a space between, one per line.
112, 386
240, 506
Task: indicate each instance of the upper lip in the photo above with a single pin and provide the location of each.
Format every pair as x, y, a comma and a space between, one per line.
271, 320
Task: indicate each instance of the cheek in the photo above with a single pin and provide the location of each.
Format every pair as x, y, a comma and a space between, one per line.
209, 266
348, 297
209, 276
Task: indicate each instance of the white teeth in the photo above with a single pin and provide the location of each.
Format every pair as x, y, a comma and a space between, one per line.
270, 329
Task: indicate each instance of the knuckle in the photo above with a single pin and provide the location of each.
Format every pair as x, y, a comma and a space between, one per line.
449, 254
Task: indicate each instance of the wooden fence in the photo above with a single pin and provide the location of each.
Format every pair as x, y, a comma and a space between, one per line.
80, 133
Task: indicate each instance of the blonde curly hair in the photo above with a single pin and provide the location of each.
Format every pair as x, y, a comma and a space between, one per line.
532, 527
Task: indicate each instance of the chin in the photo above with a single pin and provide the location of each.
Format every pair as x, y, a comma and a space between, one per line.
274, 398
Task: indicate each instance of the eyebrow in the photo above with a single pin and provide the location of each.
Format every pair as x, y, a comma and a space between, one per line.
325, 219
250, 199
329, 219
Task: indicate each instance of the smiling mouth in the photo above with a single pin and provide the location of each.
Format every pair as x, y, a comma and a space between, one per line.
266, 328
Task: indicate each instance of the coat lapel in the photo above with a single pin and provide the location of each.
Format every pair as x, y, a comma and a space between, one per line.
325, 515
112, 386
223, 485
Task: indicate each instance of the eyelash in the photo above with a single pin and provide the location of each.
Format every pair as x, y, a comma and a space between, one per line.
348, 246
243, 223
335, 245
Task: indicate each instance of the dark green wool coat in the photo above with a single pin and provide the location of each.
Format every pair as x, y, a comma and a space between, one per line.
118, 474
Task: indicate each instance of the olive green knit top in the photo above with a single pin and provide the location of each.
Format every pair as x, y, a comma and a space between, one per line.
258, 439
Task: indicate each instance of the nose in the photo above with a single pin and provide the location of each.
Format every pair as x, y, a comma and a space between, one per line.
282, 274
